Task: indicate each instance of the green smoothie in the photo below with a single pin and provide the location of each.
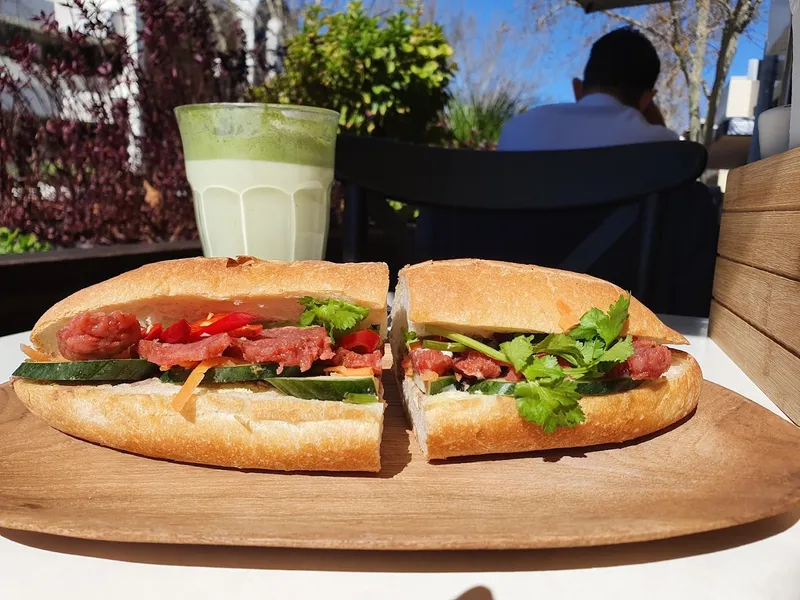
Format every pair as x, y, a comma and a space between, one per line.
261, 176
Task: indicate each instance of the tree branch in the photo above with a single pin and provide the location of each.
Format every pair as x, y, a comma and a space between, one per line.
549, 15
640, 25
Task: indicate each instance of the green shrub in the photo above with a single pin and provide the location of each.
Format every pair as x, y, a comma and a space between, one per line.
15, 242
477, 121
386, 77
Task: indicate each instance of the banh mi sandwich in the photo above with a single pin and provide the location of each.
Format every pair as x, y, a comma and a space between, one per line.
231, 362
500, 357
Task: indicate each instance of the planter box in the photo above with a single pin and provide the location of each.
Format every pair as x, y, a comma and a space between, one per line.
32, 283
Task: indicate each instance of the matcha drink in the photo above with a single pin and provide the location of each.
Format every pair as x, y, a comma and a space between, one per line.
261, 177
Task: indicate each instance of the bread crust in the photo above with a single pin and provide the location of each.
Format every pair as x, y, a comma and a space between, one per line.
472, 295
458, 424
225, 425
191, 288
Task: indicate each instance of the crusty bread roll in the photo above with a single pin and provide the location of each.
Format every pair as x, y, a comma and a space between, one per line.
462, 424
480, 297
234, 425
190, 288
484, 296
229, 425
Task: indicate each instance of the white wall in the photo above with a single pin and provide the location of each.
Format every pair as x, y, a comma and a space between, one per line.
738, 99
25, 9
742, 97
778, 27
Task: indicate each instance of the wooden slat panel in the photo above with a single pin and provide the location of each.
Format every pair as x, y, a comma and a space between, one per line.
769, 302
769, 184
773, 368
767, 240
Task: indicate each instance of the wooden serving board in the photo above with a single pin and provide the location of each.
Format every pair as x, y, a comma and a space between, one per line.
731, 462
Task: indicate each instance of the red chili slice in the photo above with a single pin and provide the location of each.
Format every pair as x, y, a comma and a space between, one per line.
177, 333
246, 331
362, 342
222, 323
152, 332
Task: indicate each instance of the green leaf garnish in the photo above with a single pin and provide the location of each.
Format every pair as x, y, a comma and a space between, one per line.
549, 396
545, 368
619, 352
549, 407
518, 351
561, 345
410, 337
592, 350
596, 323
335, 316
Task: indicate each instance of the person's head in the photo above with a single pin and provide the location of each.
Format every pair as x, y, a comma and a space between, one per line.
622, 63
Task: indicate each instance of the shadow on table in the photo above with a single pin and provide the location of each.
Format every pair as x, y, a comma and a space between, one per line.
411, 562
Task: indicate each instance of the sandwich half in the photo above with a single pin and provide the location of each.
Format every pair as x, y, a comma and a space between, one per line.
497, 357
231, 362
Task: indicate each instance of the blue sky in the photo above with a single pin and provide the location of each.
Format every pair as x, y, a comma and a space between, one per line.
553, 85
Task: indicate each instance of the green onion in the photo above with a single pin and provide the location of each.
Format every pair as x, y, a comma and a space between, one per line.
445, 346
469, 343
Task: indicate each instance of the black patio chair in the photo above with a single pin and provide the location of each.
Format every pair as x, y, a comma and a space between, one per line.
627, 213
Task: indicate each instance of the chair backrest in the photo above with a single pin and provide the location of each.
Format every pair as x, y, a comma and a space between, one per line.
455, 178
590, 210
757, 282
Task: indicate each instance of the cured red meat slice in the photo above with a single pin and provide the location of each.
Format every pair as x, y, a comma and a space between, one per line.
649, 361
168, 355
425, 359
354, 360
475, 364
288, 347
99, 335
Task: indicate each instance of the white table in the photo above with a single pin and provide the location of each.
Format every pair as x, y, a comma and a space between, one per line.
760, 560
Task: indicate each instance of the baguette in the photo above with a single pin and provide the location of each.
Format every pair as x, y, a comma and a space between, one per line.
462, 424
229, 425
249, 425
484, 296
190, 288
479, 298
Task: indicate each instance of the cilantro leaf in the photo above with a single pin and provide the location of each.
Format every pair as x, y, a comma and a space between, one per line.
549, 407
561, 345
334, 315
617, 316
619, 352
587, 328
592, 350
595, 323
544, 368
518, 351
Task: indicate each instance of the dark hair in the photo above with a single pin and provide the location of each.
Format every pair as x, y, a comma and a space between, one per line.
624, 60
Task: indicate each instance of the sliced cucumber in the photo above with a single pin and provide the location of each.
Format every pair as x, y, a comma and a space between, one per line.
443, 384
493, 387
501, 387
327, 387
255, 372
88, 370
608, 386
359, 399
446, 383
